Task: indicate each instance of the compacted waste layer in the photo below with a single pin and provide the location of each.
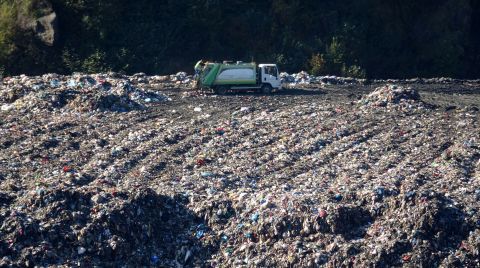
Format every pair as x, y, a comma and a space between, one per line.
114, 170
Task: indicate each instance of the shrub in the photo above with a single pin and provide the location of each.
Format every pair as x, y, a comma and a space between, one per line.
317, 64
7, 31
353, 71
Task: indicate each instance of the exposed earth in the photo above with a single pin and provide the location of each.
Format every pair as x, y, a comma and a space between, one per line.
316, 175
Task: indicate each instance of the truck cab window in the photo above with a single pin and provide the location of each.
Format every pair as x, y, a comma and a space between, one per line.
268, 70
271, 70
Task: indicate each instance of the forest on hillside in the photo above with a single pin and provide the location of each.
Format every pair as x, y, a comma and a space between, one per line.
359, 38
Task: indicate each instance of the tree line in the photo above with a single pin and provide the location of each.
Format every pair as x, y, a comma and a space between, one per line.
360, 38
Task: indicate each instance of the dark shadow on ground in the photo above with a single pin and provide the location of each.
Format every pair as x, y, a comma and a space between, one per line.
440, 229
448, 89
282, 92
300, 91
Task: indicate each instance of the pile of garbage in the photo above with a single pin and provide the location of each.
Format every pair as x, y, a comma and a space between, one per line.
242, 180
91, 227
181, 78
326, 191
303, 78
82, 93
420, 81
392, 95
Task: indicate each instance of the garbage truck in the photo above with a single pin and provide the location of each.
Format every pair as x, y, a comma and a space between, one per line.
238, 76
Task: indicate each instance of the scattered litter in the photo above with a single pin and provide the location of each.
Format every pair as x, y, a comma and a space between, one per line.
113, 170
102, 92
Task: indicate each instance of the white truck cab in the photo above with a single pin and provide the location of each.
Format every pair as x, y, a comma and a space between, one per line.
270, 75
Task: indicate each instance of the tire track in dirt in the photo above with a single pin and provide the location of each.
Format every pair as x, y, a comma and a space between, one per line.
295, 164
121, 152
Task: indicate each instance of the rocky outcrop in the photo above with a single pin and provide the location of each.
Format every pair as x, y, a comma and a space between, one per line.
46, 29
42, 22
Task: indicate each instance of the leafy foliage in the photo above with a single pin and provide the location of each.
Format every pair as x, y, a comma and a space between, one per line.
361, 38
7, 30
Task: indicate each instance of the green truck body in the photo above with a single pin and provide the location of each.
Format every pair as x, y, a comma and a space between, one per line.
229, 74
223, 77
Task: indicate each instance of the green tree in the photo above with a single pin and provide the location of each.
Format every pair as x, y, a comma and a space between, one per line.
378, 38
7, 30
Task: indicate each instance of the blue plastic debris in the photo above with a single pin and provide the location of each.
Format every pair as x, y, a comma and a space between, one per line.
206, 174
477, 194
255, 217
54, 83
409, 195
220, 131
201, 228
72, 83
106, 86
380, 191
199, 234
87, 81
224, 238
155, 259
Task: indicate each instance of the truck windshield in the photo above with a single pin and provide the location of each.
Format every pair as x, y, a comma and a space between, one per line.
271, 70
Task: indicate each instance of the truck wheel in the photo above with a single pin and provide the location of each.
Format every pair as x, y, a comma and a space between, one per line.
222, 90
267, 89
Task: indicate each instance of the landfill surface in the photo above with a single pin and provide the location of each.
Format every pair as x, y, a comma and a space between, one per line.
127, 171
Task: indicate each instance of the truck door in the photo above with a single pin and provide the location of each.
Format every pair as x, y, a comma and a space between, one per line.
270, 76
